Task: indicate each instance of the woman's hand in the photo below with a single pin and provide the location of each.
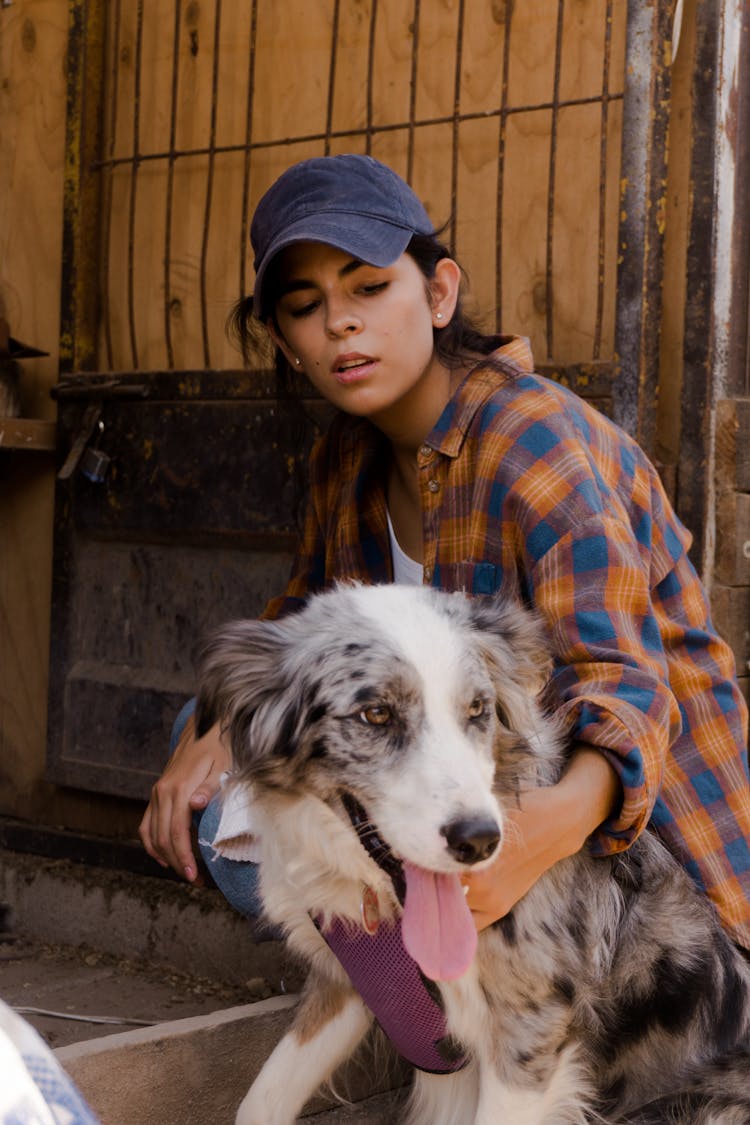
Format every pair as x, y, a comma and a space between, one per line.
190, 780
550, 824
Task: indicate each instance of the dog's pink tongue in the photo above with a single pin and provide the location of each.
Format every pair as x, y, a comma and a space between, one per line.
437, 925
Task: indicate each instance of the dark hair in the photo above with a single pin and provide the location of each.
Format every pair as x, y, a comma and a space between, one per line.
459, 343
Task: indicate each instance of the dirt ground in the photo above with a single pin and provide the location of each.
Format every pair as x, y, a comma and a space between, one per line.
73, 988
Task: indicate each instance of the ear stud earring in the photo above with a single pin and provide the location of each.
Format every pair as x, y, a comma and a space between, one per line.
298, 361
438, 316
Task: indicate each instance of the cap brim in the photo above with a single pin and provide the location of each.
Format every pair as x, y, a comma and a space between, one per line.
379, 243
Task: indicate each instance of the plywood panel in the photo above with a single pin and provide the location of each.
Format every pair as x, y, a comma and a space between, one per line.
223, 257
484, 33
433, 145
613, 165
392, 62
147, 238
292, 73
197, 60
524, 225
436, 59
477, 194
115, 336
576, 229
235, 61
122, 75
533, 33
587, 26
155, 73
350, 97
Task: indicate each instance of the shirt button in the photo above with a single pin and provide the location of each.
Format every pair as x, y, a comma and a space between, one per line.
433, 485
427, 572
425, 451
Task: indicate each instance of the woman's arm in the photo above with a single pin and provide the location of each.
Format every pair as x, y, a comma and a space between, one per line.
190, 780
550, 824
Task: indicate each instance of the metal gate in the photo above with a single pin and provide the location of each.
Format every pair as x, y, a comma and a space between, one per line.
542, 146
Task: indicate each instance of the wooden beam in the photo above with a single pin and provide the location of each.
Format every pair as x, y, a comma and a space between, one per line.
28, 433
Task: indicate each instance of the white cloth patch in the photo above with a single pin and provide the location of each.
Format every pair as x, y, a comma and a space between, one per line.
237, 834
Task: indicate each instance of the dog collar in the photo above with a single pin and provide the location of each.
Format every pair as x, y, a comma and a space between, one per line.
407, 1006
375, 845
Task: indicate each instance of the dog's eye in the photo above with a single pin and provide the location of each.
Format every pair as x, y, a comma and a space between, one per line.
376, 716
476, 708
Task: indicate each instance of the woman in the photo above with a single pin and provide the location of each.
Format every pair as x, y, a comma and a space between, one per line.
450, 462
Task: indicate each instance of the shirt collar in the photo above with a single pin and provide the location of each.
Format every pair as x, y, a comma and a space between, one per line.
512, 358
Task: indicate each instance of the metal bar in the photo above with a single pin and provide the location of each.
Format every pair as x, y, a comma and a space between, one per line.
502, 114
456, 121
640, 252
371, 74
692, 466
411, 124
603, 152
738, 374
332, 76
107, 183
210, 183
360, 131
134, 184
170, 184
550, 289
245, 224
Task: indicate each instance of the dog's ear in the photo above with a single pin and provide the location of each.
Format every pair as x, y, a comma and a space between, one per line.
514, 643
245, 685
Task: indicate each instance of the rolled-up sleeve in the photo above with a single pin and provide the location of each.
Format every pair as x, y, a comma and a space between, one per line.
611, 676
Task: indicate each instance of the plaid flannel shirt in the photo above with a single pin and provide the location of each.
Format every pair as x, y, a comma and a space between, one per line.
528, 490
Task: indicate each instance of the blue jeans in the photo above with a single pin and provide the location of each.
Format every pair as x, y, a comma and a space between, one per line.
237, 881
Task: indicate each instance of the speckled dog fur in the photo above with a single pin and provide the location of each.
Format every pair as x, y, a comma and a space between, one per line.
610, 993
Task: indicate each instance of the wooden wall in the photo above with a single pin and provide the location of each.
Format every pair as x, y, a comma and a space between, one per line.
33, 43
32, 111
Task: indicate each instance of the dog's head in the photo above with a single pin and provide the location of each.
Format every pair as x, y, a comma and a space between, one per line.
416, 702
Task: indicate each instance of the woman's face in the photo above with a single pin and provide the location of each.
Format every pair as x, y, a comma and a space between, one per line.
364, 334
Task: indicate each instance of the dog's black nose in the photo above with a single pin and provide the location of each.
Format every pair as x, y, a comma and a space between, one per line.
472, 839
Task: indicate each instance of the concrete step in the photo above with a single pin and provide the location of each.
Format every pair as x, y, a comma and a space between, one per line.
192, 1071
192, 929
196, 1071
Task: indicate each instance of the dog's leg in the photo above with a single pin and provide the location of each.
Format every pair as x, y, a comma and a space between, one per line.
329, 1025
498, 1102
443, 1099
564, 1099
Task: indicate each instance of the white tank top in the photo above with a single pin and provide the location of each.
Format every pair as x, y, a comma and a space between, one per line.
406, 571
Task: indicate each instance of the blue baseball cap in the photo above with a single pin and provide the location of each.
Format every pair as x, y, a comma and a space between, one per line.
352, 202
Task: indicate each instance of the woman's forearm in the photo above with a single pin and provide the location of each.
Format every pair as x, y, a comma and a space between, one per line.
549, 824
